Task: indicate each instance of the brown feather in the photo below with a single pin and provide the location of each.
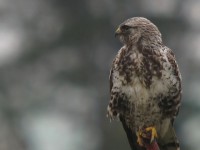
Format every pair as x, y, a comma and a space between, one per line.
145, 82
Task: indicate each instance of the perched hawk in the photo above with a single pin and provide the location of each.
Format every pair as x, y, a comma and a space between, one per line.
145, 86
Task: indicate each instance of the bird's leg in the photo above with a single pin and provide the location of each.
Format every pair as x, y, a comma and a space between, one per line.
146, 136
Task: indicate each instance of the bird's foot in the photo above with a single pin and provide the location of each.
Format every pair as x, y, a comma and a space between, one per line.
146, 136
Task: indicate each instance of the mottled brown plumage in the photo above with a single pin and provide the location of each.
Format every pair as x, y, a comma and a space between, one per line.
145, 83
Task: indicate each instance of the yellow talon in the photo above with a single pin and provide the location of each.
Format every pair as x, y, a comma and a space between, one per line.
139, 139
153, 133
147, 133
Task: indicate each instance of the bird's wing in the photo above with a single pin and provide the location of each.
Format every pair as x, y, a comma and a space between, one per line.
131, 135
132, 138
170, 103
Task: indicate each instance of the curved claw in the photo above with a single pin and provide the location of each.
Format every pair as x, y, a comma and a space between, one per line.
146, 136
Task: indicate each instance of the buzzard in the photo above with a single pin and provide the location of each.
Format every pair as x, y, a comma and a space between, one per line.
145, 86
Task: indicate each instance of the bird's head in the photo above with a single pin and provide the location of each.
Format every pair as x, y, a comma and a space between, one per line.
138, 29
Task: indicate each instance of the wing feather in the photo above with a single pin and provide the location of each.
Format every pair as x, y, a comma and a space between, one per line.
170, 103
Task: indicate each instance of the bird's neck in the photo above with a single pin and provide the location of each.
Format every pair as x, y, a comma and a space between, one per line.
144, 42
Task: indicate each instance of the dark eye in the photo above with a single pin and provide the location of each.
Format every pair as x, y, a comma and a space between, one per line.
125, 27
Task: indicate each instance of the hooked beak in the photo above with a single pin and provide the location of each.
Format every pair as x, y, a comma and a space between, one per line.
117, 32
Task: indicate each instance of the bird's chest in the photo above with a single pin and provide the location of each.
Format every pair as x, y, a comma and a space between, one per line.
140, 77
143, 99
144, 109
141, 91
127, 67
128, 74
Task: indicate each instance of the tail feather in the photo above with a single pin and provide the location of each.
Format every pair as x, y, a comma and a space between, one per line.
132, 138
169, 141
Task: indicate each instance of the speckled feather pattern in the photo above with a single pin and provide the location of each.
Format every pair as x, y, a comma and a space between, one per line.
145, 82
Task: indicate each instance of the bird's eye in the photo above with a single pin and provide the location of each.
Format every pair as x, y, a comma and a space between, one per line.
125, 27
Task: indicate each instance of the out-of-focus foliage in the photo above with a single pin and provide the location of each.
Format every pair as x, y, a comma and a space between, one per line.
55, 57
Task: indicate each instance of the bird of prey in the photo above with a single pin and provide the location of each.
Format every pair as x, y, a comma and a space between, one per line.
145, 86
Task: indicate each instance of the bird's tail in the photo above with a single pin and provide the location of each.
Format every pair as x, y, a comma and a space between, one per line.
169, 141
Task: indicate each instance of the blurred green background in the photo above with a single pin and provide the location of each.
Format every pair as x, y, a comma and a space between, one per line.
55, 57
